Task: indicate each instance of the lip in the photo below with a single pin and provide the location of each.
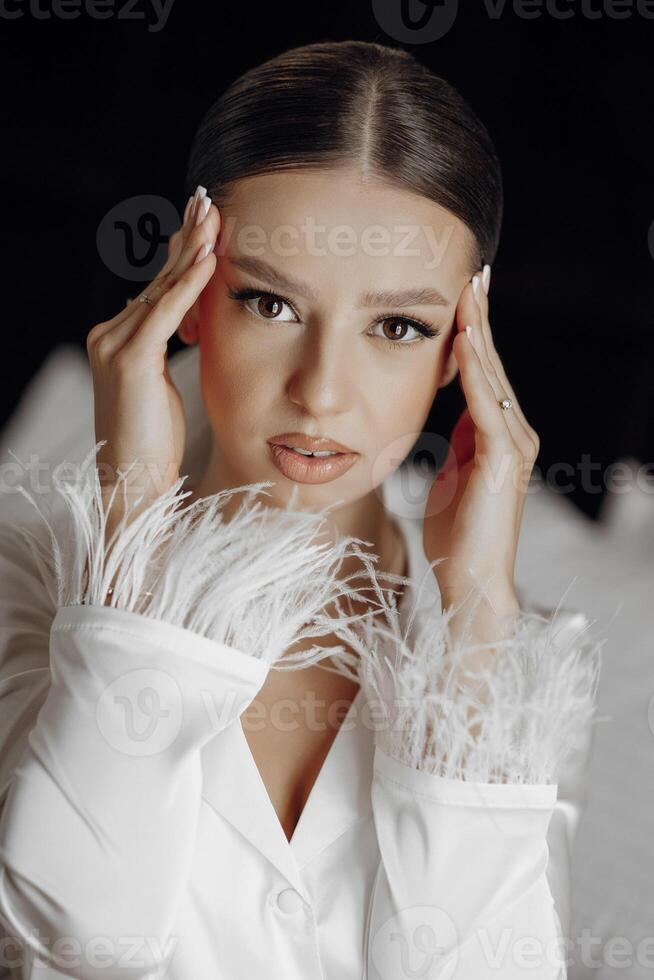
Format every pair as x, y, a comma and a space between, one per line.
305, 469
312, 443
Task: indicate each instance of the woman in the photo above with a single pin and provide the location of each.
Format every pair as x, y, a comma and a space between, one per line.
159, 815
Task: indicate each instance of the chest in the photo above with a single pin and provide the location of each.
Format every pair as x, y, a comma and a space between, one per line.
289, 728
293, 721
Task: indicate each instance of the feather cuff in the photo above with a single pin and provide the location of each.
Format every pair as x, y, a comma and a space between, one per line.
538, 696
258, 582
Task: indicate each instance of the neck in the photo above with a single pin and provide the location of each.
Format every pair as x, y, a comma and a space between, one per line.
365, 518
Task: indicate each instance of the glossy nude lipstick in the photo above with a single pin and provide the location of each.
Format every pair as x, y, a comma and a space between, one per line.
308, 468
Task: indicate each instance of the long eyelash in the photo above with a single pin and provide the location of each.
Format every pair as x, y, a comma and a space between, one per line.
424, 328
427, 331
241, 295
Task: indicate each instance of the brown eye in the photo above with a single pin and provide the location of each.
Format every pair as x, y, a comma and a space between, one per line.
266, 306
269, 306
394, 331
397, 328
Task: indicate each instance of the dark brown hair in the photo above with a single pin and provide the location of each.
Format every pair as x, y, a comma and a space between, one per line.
354, 103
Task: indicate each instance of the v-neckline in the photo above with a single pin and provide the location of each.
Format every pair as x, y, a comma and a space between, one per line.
308, 812
341, 793
339, 798
326, 764
353, 708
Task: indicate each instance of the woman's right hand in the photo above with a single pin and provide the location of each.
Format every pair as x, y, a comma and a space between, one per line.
138, 409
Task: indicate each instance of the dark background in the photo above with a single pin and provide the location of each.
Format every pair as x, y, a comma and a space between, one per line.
97, 111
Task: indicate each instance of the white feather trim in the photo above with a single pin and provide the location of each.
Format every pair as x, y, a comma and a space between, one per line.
258, 582
514, 721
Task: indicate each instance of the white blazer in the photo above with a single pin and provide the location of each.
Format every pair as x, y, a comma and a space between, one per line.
137, 839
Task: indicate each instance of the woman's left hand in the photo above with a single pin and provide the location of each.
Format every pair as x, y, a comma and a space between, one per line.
474, 509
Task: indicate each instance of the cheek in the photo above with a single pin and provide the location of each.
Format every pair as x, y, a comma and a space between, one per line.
399, 418
399, 408
237, 383
407, 390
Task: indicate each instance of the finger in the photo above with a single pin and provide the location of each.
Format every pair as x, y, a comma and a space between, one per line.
469, 313
136, 308
157, 329
196, 210
175, 240
166, 276
515, 418
493, 436
198, 228
478, 391
194, 235
205, 226
494, 358
482, 399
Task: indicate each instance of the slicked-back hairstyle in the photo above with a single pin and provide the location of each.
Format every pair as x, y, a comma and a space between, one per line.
354, 104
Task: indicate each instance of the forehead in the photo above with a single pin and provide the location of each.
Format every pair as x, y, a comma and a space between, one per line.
322, 225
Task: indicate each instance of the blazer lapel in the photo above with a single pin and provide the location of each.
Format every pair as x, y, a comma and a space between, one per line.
233, 787
340, 796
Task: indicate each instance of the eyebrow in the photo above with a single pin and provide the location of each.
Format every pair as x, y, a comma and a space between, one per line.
420, 296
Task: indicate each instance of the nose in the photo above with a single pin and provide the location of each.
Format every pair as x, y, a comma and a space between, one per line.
322, 382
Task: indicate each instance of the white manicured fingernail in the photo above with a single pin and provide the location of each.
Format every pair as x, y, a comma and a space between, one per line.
475, 287
200, 191
203, 209
485, 278
469, 333
203, 251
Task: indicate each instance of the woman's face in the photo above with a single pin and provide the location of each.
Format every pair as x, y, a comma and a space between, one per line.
341, 266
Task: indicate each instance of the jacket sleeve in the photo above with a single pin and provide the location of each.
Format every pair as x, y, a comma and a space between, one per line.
105, 708
474, 828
